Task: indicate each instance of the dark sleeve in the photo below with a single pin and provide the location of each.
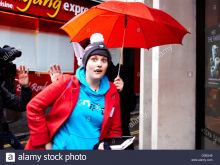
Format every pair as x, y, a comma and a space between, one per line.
112, 72
127, 95
14, 102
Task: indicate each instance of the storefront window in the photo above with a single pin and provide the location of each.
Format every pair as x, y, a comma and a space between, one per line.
34, 27
40, 44
212, 77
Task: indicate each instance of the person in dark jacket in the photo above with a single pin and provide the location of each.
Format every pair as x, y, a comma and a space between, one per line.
9, 100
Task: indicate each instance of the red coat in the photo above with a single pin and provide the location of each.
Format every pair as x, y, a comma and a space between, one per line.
43, 127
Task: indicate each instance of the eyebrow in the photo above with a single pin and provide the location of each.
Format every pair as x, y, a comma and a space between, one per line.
98, 55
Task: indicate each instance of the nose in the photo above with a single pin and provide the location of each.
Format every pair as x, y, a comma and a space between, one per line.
99, 63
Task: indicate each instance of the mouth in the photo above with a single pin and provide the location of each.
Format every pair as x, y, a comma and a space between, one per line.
98, 70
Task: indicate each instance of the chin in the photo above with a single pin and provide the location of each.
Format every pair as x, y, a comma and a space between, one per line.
98, 77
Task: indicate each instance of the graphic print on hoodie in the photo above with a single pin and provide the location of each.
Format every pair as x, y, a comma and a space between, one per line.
82, 129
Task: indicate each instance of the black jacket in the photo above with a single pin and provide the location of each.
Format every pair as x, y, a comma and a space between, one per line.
9, 100
127, 95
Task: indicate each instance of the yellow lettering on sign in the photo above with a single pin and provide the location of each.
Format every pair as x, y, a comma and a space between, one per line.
46, 2
56, 7
26, 7
54, 4
37, 2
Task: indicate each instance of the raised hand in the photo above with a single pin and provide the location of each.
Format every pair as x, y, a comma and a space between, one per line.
54, 72
23, 78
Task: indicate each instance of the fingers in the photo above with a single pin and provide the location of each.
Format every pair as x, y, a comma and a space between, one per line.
54, 72
55, 68
23, 75
22, 69
119, 83
118, 78
48, 146
101, 146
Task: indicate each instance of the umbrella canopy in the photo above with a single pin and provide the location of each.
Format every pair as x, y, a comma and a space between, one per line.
126, 24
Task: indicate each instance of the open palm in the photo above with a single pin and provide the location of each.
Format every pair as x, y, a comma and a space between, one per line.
54, 72
23, 78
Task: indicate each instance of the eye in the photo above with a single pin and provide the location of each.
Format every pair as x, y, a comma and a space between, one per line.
104, 60
94, 58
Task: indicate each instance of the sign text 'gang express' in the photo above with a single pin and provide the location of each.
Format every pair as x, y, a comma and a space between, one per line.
52, 4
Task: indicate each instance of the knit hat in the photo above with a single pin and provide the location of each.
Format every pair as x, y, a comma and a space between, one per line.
96, 48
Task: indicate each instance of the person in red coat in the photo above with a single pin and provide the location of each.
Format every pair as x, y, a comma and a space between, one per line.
86, 107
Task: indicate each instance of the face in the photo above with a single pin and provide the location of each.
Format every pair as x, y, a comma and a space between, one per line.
96, 67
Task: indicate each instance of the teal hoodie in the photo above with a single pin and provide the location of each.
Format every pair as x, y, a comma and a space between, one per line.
82, 129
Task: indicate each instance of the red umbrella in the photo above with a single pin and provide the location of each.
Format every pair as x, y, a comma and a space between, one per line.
126, 24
